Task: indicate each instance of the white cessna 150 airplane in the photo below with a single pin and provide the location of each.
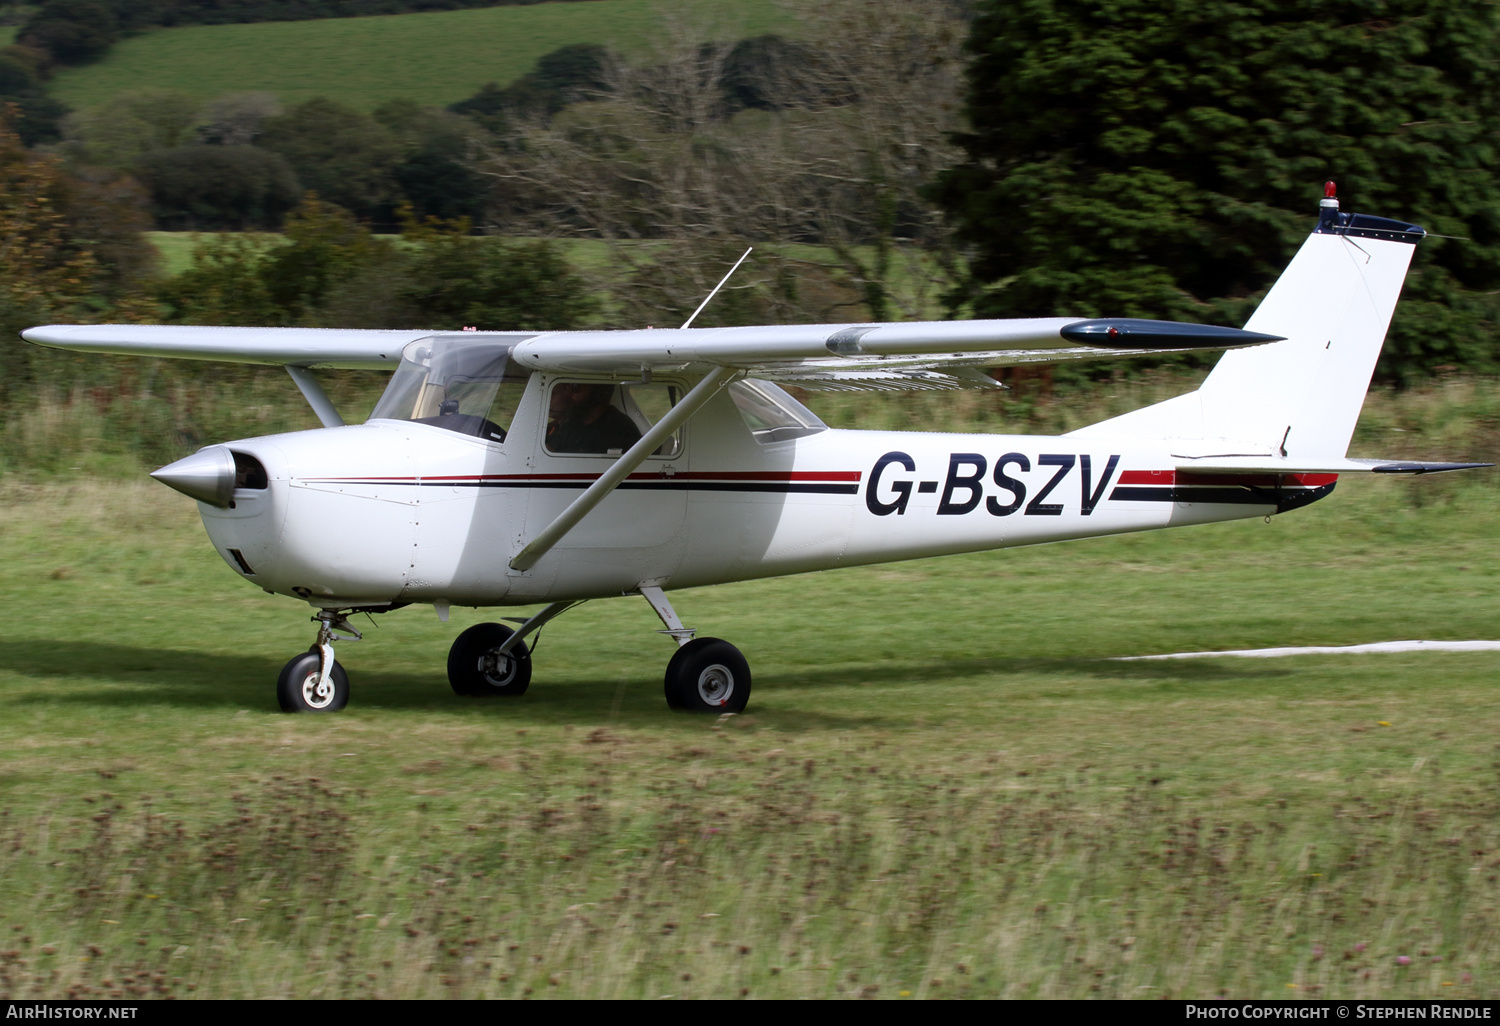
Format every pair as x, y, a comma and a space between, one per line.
510, 469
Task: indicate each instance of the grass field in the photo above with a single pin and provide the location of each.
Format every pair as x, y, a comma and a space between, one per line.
437, 58
941, 786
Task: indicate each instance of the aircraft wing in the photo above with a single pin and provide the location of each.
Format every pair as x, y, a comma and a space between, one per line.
917, 354
904, 355
296, 347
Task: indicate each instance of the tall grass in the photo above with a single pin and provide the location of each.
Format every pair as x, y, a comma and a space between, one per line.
156, 412
753, 874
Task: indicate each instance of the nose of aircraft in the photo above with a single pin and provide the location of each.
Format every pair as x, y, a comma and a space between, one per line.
207, 475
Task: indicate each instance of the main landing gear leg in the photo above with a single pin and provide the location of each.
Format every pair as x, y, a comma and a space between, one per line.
314, 681
706, 674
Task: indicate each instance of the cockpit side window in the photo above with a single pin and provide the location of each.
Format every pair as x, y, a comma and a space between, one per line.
588, 418
600, 418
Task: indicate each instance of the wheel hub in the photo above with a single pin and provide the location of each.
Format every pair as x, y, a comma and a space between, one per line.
496, 668
317, 692
715, 684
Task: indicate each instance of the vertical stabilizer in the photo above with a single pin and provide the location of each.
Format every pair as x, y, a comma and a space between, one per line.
1298, 398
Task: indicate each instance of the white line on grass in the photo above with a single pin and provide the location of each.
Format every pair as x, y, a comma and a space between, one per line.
1378, 647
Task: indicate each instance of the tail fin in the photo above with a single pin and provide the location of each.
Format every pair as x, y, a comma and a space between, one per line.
1297, 399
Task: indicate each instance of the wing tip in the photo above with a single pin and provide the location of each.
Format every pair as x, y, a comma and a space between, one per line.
1423, 467
1136, 333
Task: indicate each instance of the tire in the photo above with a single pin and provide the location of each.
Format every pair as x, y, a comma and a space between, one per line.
710, 676
295, 688
471, 666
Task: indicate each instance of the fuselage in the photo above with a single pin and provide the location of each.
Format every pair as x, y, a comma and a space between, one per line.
395, 511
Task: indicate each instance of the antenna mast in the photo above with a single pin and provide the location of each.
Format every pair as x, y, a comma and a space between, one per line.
717, 287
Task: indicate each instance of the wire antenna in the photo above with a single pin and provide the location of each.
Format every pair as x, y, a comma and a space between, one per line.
717, 287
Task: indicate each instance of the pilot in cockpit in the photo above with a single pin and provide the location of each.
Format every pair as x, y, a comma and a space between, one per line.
581, 419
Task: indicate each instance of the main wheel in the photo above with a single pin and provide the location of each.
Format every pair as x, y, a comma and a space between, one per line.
708, 675
298, 688
476, 669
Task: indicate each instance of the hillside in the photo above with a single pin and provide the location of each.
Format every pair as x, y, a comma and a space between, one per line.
434, 58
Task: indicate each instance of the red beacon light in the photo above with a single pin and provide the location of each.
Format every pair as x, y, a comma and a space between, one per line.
1328, 208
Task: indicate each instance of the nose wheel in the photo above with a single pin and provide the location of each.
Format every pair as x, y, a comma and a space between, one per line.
314, 681
303, 687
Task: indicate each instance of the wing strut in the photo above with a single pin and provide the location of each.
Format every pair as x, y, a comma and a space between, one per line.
315, 396
554, 532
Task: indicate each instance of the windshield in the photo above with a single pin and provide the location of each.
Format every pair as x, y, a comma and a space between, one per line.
456, 382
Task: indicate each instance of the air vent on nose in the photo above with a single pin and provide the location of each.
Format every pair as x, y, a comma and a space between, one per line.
239, 558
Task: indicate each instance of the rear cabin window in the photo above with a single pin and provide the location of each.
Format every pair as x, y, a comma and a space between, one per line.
771, 414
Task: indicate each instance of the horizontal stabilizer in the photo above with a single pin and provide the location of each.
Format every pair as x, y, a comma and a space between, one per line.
1417, 466
1333, 465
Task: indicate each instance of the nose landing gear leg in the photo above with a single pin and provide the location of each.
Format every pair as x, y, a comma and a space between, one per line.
314, 681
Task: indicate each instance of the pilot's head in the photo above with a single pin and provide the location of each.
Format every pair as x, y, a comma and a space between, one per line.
576, 400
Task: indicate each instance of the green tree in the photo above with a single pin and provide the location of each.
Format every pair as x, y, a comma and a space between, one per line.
241, 280
218, 187
1165, 158
435, 176
329, 271
324, 246
43, 276
223, 286
72, 31
456, 279
37, 117
118, 131
344, 156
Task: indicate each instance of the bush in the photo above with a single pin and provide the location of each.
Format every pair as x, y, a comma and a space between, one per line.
344, 156
330, 271
219, 187
72, 31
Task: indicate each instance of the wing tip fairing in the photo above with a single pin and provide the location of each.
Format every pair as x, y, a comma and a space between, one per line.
1135, 333
1418, 466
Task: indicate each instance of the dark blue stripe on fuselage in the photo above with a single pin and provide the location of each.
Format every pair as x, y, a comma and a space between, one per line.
1282, 499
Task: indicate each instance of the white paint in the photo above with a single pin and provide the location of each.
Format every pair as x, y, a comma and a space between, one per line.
1379, 647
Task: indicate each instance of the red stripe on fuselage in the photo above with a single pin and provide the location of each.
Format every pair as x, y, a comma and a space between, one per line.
1147, 477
